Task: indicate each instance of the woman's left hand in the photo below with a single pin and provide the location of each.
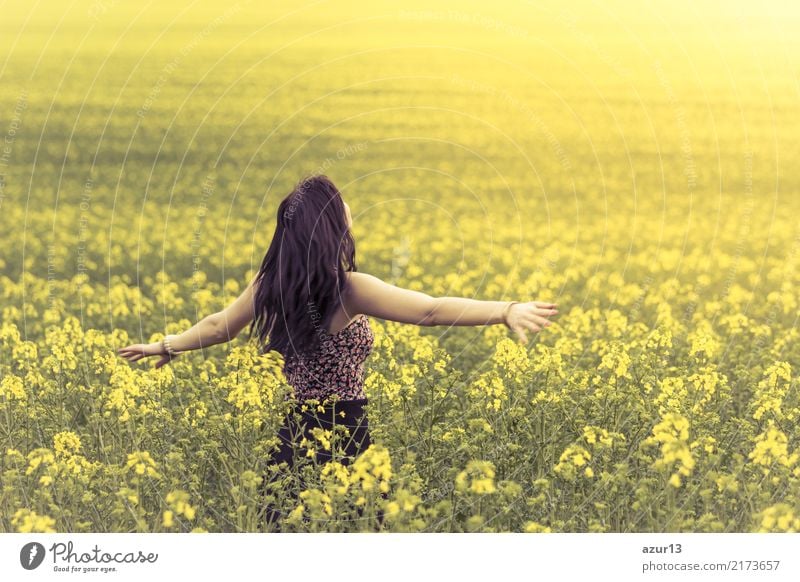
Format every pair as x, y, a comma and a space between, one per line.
136, 352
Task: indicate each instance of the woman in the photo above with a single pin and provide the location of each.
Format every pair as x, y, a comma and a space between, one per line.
309, 303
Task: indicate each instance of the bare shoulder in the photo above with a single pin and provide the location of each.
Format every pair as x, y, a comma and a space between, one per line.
359, 284
357, 280
371, 296
361, 291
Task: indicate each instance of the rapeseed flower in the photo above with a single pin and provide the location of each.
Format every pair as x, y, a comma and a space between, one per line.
141, 463
478, 478
27, 521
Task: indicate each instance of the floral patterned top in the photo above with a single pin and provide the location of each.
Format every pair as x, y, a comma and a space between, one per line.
335, 367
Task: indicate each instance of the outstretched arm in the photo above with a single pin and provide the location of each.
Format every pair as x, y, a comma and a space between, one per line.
369, 295
213, 329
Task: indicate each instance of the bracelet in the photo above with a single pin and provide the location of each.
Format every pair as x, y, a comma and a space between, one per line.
167, 347
505, 312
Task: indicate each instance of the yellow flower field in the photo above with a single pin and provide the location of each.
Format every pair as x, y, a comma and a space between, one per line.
639, 167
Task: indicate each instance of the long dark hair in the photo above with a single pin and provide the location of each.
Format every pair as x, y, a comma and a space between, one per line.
301, 278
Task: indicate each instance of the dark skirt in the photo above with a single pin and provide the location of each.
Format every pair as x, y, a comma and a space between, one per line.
298, 424
294, 429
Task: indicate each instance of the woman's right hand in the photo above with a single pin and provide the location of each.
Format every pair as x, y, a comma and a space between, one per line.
135, 352
531, 316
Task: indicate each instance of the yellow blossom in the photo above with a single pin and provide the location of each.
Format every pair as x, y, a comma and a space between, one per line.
11, 388
771, 446
27, 521
142, 464
478, 477
178, 500
571, 458
534, 527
